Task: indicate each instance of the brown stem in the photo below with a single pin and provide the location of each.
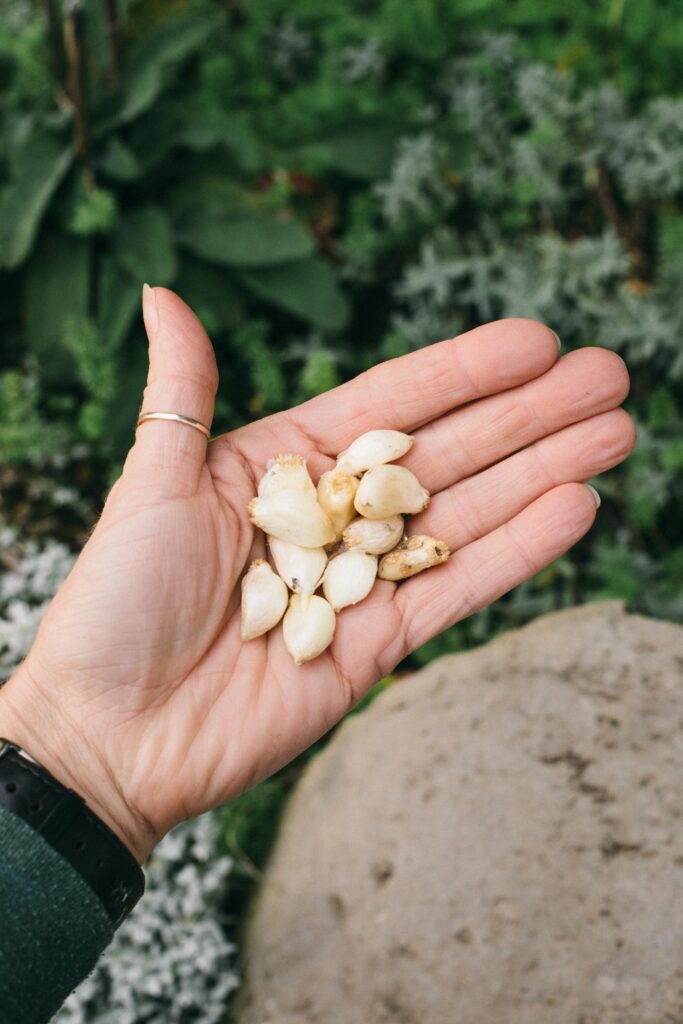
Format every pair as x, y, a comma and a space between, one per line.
629, 230
608, 202
54, 34
77, 85
115, 38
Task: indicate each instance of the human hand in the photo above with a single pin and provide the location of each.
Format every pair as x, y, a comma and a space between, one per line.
138, 692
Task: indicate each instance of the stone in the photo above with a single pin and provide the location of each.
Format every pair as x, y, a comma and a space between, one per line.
497, 839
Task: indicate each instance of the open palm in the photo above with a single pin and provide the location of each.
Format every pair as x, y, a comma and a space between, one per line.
138, 666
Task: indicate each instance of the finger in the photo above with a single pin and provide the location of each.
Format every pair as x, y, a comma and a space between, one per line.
580, 385
486, 569
479, 504
406, 392
182, 379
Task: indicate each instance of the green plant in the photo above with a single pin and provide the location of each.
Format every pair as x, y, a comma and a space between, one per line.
330, 185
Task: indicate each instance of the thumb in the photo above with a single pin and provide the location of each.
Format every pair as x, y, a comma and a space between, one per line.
182, 378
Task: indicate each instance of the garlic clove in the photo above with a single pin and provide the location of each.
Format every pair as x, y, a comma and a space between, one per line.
300, 568
375, 536
373, 449
308, 627
412, 556
286, 472
349, 578
389, 490
264, 600
294, 516
336, 491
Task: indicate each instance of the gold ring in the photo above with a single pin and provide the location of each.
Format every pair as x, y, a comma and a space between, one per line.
174, 416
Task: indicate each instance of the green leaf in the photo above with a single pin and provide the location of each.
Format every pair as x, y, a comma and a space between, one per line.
662, 411
246, 240
670, 244
39, 169
24, 435
120, 162
122, 413
319, 374
57, 286
152, 137
364, 150
96, 366
205, 126
144, 248
212, 294
672, 456
119, 300
152, 59
204, 197
307, 288
96, 39
265, 366
94, 212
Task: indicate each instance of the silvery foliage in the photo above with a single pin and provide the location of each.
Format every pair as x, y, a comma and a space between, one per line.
31, 574
364, 62
16, 14
415, 187
645, 153
291, 47
31, 571
474, 155
170, 962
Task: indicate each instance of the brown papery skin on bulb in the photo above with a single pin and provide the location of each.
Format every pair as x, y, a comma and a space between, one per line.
336, 491
413, 555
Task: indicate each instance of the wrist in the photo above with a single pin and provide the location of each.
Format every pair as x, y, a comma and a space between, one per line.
30, 719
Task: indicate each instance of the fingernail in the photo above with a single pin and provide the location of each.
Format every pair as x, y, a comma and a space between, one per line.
596, 496
149, 309
557, 339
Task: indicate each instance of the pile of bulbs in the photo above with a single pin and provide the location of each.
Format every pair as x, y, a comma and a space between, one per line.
341, 536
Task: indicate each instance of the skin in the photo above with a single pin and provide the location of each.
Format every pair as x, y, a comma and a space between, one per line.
138, 693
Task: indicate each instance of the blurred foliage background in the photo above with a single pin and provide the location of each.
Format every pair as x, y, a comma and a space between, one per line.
330, 185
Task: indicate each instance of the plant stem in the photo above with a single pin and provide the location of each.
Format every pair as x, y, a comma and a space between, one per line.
631, 230
73, 38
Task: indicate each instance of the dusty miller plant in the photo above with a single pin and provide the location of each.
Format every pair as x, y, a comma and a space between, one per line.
525, 193
170, 962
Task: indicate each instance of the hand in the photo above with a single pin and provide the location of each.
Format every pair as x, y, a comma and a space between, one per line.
138, 692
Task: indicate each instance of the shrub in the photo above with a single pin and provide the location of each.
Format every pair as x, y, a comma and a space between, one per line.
170, 962
330, 185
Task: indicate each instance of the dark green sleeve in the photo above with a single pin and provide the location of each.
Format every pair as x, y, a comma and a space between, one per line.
52, 925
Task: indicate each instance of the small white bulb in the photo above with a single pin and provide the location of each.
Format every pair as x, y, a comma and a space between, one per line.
412, 556
308, 627
389, 490
349, 578
373, 449
375, 536
286, 472
264, 600
300, 568
294, 516
336, 491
